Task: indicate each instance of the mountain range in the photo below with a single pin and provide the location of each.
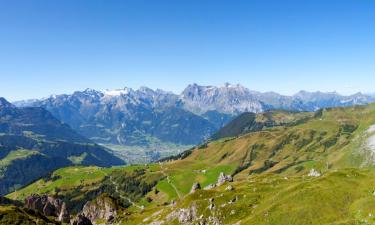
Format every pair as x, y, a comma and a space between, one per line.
154, 121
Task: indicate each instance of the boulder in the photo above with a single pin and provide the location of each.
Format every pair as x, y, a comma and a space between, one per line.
223, 178
314, 173
211, 206
195, 187
229, 188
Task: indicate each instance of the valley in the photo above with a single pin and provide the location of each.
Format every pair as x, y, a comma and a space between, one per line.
187, 112
146, 125
291, 168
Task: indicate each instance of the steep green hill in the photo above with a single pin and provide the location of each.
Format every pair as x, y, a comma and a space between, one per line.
318, 170
33, 143
250, 122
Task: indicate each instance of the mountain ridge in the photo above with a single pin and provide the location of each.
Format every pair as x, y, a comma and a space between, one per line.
147, 119
159, 97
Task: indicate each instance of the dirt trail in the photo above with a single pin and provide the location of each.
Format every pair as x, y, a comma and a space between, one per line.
169, 181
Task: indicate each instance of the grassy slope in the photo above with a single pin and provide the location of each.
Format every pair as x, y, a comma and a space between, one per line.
331, 143
340, 197
12, 215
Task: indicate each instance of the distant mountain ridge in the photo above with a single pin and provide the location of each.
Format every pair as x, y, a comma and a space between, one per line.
228, 99
142, 117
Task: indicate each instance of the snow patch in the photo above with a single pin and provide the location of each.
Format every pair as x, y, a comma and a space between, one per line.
117, 92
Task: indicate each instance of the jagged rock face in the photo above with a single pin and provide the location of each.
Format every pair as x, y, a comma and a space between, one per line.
131, 117
223, 178
80, 220
102, 208
5, 104
48, 206
184, 215
231, 99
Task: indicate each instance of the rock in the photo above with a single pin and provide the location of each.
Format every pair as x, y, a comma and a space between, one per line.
48, 206
314, 173
80, 220
64, 214
184, 215
229, 188
101, 208
223, 178
209, 187
195, 187
233, 200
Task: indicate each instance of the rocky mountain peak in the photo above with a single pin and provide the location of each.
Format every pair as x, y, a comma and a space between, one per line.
5, 104
118, 92
228, 98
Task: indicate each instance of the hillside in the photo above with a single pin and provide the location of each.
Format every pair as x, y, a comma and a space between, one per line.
33, 143
251, 122
328, 156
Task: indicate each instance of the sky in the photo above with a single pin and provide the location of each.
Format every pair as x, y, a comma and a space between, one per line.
55, 47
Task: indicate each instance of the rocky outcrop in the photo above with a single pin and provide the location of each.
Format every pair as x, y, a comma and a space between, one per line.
184, 215
223, 178
80, 220
48, 206
209, 187
101, 208
195, 187
314, 173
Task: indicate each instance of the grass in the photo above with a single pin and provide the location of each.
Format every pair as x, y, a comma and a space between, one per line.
15, 155
340, 197
269, 168
64, 180
12, 215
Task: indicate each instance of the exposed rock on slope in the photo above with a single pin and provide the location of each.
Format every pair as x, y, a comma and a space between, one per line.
101, 208
48, 206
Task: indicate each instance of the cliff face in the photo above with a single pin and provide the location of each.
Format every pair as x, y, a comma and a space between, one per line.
48, 206
102, 208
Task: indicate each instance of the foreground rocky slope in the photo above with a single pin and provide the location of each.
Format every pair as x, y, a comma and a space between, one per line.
317, 171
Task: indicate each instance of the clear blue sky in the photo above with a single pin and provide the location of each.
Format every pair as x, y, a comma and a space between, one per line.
53, 47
